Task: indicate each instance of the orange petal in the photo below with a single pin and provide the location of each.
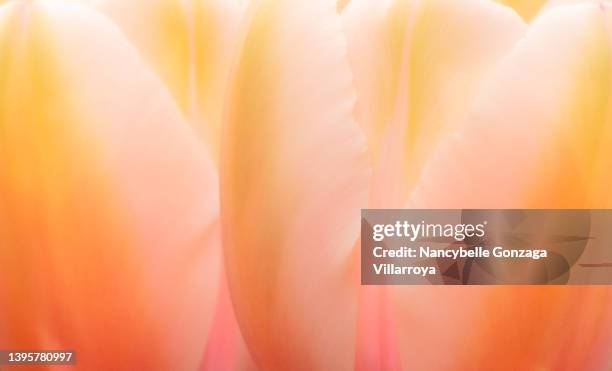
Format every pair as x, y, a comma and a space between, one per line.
541, 137
108, 204
294, 177
418, 67
191, 45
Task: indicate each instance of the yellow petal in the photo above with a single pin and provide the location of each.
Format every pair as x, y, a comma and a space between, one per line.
541, 137
341, 4
293, 180
528, 9
418, 66
108, 203
191, 45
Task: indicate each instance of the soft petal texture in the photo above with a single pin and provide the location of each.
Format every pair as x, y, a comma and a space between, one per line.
191, 45
294, 177
341, 4
553, 101
418, 65
552, 3
528, 9
406, 55
108, 203
540, 137
225, 347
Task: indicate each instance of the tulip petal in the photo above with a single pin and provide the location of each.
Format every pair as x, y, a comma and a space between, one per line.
108, 203
191, 45
552, 98
406, 55
552, 3
294, 177
528, 9
540, 137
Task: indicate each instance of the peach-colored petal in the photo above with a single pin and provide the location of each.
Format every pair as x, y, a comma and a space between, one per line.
108, 203
541, 137
418, 66
503, 328
191, 45
554, 102
406, 56
553, 3
294, 177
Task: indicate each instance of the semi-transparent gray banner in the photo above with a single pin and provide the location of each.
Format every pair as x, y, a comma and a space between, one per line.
486, 247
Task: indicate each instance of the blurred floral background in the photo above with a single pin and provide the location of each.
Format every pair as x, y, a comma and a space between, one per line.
181, 180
